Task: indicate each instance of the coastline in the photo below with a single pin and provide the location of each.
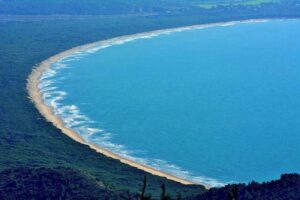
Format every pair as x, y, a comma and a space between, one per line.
37, 98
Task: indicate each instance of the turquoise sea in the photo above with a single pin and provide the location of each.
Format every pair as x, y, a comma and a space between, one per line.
214, 105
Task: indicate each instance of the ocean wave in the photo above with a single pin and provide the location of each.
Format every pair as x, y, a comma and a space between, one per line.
83, 125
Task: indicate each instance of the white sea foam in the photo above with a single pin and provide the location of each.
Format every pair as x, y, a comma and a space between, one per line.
47, 89
228, 24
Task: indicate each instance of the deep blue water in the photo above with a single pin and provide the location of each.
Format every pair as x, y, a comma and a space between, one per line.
216, 105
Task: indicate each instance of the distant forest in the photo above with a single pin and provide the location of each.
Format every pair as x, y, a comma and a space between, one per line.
145, 7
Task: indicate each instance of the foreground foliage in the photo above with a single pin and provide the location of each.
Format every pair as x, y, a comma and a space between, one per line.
287, 188
42, 183
67, 183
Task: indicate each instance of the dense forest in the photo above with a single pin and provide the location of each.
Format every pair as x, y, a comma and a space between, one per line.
66, 183
36, 159
287, 187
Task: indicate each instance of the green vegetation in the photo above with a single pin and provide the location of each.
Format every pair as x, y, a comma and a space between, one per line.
125, 7
259, 2
67, 183
29, 145
287, 187
60, 183
226, 3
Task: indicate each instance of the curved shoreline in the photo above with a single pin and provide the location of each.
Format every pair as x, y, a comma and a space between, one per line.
37, 98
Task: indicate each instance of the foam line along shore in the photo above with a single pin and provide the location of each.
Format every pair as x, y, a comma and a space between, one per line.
47, 111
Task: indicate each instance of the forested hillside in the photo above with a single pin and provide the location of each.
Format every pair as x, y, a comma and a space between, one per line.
66, 183
287, 188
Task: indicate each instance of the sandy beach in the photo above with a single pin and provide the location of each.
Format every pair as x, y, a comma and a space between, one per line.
37, 98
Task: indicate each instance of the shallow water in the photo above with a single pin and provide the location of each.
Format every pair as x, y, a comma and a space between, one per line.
213, 105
